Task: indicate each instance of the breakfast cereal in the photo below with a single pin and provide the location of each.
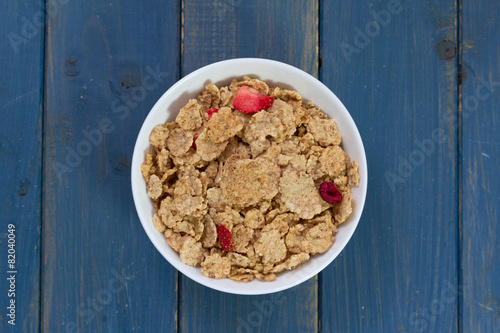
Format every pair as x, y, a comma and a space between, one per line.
249, 181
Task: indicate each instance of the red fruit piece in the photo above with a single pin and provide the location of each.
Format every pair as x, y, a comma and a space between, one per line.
195, 136
249, 101
329, 192
224, 238
211, 112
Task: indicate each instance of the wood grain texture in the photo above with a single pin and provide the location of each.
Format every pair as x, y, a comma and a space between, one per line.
21, 91
218, 30
225, 29
398, 273
100, 271
480, 166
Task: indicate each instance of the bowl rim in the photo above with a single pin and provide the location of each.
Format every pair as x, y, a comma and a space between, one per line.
138, 157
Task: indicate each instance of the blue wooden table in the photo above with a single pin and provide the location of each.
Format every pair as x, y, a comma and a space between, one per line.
420, 78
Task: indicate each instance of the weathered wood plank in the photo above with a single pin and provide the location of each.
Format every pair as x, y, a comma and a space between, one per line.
225, 29
399, 271
21, 91
480, 164
218, 30
106, 65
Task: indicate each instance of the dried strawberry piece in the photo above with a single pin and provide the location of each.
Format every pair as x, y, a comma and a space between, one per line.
224, 238
250, 101
195, 136
211, 112
329, 192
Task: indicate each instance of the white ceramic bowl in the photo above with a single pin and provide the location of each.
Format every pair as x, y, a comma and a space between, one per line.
275, 74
